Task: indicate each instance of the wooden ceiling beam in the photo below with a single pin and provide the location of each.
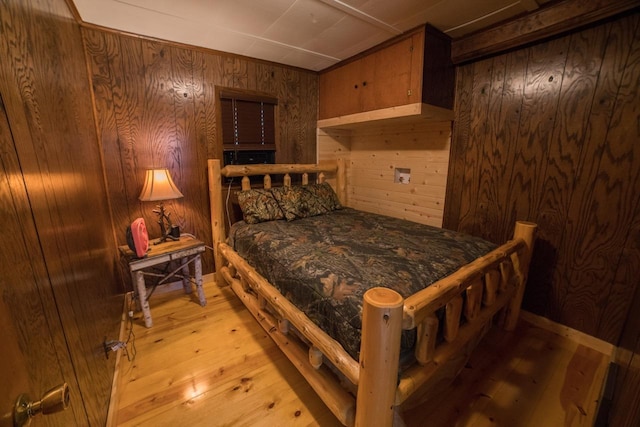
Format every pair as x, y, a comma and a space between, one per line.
546, 22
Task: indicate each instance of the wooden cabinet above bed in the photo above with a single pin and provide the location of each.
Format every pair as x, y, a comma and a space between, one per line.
397, 78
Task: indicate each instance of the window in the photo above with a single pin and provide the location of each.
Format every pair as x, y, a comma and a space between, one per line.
248, 128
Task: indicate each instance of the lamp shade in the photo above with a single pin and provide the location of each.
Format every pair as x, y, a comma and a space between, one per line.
158, 185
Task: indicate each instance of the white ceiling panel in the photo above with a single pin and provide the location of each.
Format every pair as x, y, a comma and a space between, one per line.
311, 34
440, 16
395, 12
301, 58
484, 21
302, 22
331, 41
276, 52
362, 37
245, 16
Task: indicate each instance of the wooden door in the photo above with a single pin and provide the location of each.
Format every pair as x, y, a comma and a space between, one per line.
34, 355
13, 370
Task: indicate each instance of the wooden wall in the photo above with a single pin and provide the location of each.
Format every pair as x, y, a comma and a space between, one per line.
625, 407
373, 152
549, 133
156, 105
58, 266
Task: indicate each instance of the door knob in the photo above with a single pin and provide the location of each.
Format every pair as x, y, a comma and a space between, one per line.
54, 400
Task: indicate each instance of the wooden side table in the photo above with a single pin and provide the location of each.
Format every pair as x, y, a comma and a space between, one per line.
187, 250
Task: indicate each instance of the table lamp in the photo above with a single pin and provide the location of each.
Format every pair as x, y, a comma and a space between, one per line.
158, 186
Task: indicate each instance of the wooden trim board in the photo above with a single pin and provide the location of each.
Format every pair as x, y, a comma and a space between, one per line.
389, 116
112, 412
546, 22
572, 334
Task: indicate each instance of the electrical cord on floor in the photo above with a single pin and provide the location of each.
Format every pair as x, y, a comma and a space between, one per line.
131, 339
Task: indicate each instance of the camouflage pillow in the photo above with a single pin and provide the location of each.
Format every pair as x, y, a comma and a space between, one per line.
325, 195
258, 206
305, 201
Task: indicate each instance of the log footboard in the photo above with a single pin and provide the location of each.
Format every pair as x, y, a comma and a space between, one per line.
367, 391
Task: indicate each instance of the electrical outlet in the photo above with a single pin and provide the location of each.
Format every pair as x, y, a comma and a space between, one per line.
112, 345
106, 348
402, 176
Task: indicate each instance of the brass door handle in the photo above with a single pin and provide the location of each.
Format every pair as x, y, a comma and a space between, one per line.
54, 400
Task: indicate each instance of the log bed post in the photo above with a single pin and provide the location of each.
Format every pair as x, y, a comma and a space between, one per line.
526, 231
217, 217
341, 182
379, 357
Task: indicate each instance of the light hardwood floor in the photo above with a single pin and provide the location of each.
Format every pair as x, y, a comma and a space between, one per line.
215, 366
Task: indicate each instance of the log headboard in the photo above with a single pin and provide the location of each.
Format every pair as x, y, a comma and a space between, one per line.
266, 171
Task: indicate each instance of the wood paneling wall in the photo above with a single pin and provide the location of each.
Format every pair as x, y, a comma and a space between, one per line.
54, 193
156, 106
550, 133
373, 152
422, 148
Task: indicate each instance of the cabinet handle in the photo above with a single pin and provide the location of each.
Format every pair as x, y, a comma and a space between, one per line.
355, 86
364, 83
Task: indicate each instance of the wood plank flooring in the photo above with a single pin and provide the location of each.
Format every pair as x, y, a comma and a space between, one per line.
215, 366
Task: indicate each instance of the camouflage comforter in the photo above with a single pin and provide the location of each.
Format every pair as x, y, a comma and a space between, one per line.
324, 264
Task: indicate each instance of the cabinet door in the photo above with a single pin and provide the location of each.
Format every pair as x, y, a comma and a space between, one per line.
392, 75
386, 78
340, 91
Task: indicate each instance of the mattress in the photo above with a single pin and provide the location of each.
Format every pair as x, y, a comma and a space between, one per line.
324, 264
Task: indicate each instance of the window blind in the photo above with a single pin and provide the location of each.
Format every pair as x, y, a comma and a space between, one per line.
248, 124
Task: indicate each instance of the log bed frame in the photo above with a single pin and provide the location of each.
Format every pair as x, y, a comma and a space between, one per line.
492, 284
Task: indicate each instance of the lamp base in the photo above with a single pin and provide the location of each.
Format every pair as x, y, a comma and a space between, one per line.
164, 239
169, 234
167, 230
